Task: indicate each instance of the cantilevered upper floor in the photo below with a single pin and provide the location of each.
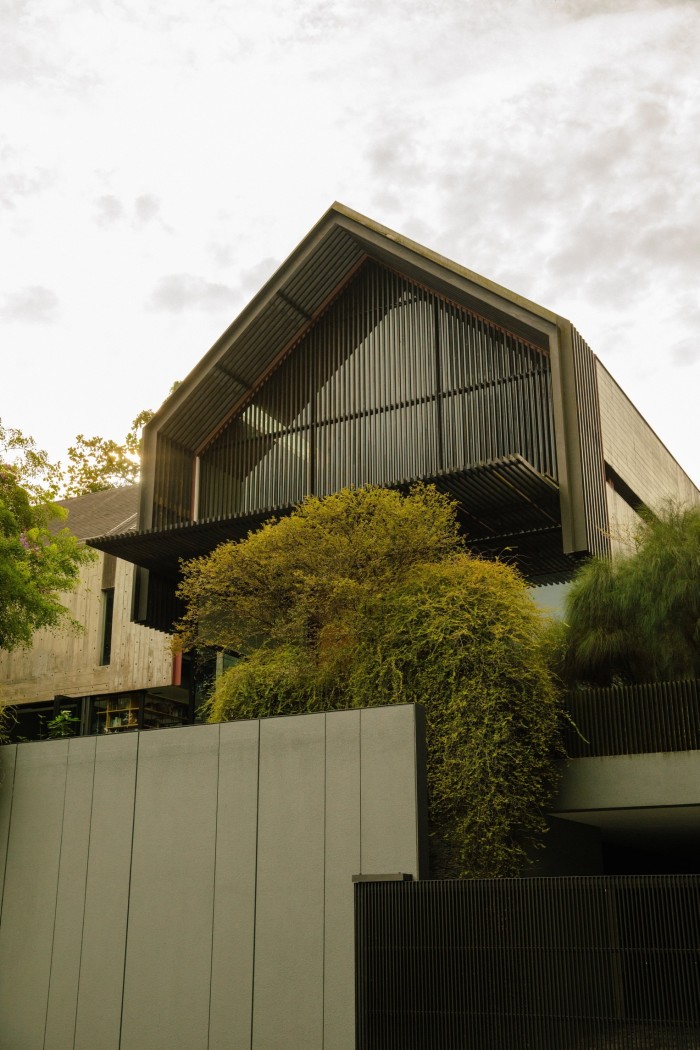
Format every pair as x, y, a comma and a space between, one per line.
368, 359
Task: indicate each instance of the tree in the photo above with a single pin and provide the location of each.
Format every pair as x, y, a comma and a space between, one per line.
32, 469
369, 598
36, 564
93, 463
97, 463
637, 619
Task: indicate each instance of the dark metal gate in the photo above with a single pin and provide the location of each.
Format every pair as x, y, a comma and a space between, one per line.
529, 964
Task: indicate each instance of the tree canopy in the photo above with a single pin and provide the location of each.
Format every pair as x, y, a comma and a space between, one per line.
36, 564
367, 598
92, 464
637, 618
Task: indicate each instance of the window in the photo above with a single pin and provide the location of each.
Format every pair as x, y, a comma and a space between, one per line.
107, 615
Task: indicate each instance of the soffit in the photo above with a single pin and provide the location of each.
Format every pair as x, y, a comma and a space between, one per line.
505, 509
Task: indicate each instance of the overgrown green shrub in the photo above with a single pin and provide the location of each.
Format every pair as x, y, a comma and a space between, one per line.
369, 598
637, 619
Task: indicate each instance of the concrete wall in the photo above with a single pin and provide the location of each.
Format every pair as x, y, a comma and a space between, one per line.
664, 779
634, 451
68, 663
191, 888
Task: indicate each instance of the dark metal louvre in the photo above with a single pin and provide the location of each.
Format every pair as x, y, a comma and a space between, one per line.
592, 462
495, 499
529, 964
391, 384
173, 484
634, 719
252, 348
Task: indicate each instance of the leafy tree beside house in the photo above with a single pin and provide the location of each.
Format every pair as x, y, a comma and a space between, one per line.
369, 598
37, 565
637, 618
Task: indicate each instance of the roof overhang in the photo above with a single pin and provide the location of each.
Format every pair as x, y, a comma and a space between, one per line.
278, 316
293, 299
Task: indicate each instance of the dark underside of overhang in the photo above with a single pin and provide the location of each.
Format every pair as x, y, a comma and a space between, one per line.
505, 508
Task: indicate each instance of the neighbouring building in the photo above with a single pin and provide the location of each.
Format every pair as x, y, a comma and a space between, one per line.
113, 674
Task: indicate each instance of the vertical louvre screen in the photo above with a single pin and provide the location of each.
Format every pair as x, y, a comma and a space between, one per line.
611, 963
634, 719
393, 383
588, 408
173, 484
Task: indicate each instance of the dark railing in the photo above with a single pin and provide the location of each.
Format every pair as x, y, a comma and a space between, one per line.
529, 964
634, 719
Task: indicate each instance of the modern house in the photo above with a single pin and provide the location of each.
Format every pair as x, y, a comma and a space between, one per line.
193, 888
111, 675
367, 358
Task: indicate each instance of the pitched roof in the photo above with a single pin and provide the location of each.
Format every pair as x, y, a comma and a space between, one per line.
100, 513
299, 292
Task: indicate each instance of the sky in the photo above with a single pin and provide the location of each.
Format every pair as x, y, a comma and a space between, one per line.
158, 161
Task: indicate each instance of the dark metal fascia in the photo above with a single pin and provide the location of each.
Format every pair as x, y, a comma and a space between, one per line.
567, 439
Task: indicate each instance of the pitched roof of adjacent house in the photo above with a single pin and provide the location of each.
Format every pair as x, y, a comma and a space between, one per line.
101, 513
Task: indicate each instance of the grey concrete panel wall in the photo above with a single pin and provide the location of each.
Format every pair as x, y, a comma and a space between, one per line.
288, 975
70, 896
29, 897
168, 954
663, 779
233, 947
191, 889
8, 757
388, 762
343, 854
98, 1022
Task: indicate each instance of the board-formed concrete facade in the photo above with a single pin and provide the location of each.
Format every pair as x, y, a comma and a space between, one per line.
192, 888
110, 663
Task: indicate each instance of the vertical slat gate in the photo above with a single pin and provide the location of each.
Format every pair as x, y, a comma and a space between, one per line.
529, 964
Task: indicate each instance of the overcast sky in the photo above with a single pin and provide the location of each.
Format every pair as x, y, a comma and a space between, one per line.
159, 160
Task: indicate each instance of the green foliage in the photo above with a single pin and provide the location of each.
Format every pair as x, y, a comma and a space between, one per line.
97, 463
64, 724
5, 721
637, 619
36, 565
30, 464
92, 464
368, 598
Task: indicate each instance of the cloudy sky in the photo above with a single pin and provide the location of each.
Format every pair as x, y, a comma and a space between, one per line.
159, 160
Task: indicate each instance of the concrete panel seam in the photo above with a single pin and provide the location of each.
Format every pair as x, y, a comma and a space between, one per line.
9, 830
255, 899
87, 868
128, 892
361, 778
55, 901
213, 895
325, 862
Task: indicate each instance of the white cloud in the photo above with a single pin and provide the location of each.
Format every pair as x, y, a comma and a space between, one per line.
184, 291
164, 157
32, 305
